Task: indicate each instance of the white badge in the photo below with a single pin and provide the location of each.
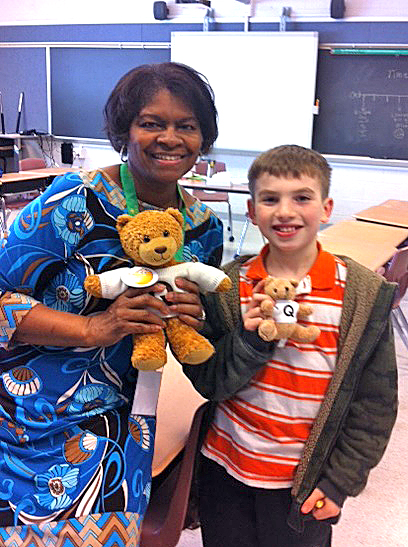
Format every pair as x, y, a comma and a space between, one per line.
139, 277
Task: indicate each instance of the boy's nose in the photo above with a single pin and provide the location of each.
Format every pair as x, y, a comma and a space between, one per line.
285, 209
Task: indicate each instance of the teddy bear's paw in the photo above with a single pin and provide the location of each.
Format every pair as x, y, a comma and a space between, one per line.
148, 363
267, 306
149, 351
225, 285
267, 330
198, 356
187, 344
92, 285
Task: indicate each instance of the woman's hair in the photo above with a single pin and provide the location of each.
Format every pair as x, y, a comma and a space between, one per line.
137, 88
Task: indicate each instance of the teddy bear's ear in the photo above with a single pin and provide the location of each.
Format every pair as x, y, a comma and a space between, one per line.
121, 221
294, 282
176, 214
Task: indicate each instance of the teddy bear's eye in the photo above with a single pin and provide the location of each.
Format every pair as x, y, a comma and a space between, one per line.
146, 239
166, 233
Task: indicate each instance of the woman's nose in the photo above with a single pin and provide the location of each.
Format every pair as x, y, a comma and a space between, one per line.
169, 136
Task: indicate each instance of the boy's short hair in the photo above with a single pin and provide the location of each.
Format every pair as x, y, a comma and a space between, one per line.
291, 160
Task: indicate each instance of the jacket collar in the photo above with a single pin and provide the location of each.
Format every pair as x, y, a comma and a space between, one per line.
321, 276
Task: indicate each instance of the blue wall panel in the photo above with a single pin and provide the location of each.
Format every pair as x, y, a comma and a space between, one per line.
81, 81
24, 70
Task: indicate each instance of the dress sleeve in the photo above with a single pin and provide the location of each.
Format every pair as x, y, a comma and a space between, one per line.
42, 238
13, 308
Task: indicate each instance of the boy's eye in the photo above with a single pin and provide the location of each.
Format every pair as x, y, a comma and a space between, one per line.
271, 199
303, 198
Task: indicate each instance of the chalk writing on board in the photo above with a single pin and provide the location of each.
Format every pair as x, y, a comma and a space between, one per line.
363, 105
395, 105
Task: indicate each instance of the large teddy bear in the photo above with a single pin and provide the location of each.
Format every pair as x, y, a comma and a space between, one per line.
151, 239
281, 314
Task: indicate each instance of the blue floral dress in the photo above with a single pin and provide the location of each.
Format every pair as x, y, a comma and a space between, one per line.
75, 465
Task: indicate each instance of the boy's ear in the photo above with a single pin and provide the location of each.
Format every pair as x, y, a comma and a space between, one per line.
327, 210
251, 211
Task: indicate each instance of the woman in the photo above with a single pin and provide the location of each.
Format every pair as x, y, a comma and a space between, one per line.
73, 462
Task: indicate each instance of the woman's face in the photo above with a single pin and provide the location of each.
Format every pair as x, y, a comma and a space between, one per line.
164, 140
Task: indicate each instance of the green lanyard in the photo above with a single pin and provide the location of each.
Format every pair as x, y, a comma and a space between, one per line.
132, 203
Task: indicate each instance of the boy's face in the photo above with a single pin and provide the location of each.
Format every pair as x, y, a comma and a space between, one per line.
289, 211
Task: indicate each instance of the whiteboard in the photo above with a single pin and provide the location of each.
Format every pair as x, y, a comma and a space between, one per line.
264, 84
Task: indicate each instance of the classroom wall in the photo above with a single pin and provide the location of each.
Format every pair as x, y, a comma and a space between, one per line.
354, 186
141, 11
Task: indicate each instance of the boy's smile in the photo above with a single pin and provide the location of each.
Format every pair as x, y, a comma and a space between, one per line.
289, 211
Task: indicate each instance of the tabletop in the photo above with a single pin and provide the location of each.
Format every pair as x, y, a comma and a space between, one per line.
369, 243
393, 212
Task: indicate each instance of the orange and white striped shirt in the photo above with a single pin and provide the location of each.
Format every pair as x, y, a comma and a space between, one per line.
259, 434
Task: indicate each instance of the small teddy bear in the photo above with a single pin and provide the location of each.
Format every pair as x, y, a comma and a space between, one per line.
151, 239
281, 315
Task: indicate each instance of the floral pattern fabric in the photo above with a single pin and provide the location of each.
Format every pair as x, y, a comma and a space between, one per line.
69, 447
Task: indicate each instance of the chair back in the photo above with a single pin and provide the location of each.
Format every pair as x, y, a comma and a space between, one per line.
397, 271
166, 513
31, 163
201, 168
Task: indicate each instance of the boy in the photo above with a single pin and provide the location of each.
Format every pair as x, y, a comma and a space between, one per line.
296, 428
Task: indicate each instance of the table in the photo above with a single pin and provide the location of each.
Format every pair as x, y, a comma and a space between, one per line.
369, 243
24, 181
393, 212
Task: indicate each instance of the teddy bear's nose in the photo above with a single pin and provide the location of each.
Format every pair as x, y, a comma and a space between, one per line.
160, 250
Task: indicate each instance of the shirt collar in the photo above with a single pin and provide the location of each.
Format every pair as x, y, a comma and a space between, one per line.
322, 273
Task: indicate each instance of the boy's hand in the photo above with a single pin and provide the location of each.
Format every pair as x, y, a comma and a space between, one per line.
320, 505
253, 315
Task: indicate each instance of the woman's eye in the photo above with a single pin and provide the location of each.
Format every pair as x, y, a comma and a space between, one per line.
146, 239
149, 125
166, 233
188, 127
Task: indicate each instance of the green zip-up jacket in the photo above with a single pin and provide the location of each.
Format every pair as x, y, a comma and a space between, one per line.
355, 420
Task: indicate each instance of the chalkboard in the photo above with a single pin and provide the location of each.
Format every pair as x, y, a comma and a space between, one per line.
363, 105
24, 70
264, 84
81, 81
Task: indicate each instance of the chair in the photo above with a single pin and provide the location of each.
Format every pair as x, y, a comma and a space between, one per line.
209, 168
27, 164
397, 271
166, 513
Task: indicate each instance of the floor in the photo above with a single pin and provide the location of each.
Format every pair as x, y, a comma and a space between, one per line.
378, 517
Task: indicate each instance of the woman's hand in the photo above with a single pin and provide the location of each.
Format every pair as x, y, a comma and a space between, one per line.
187, 304
253, 315
128, 314
133, 312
